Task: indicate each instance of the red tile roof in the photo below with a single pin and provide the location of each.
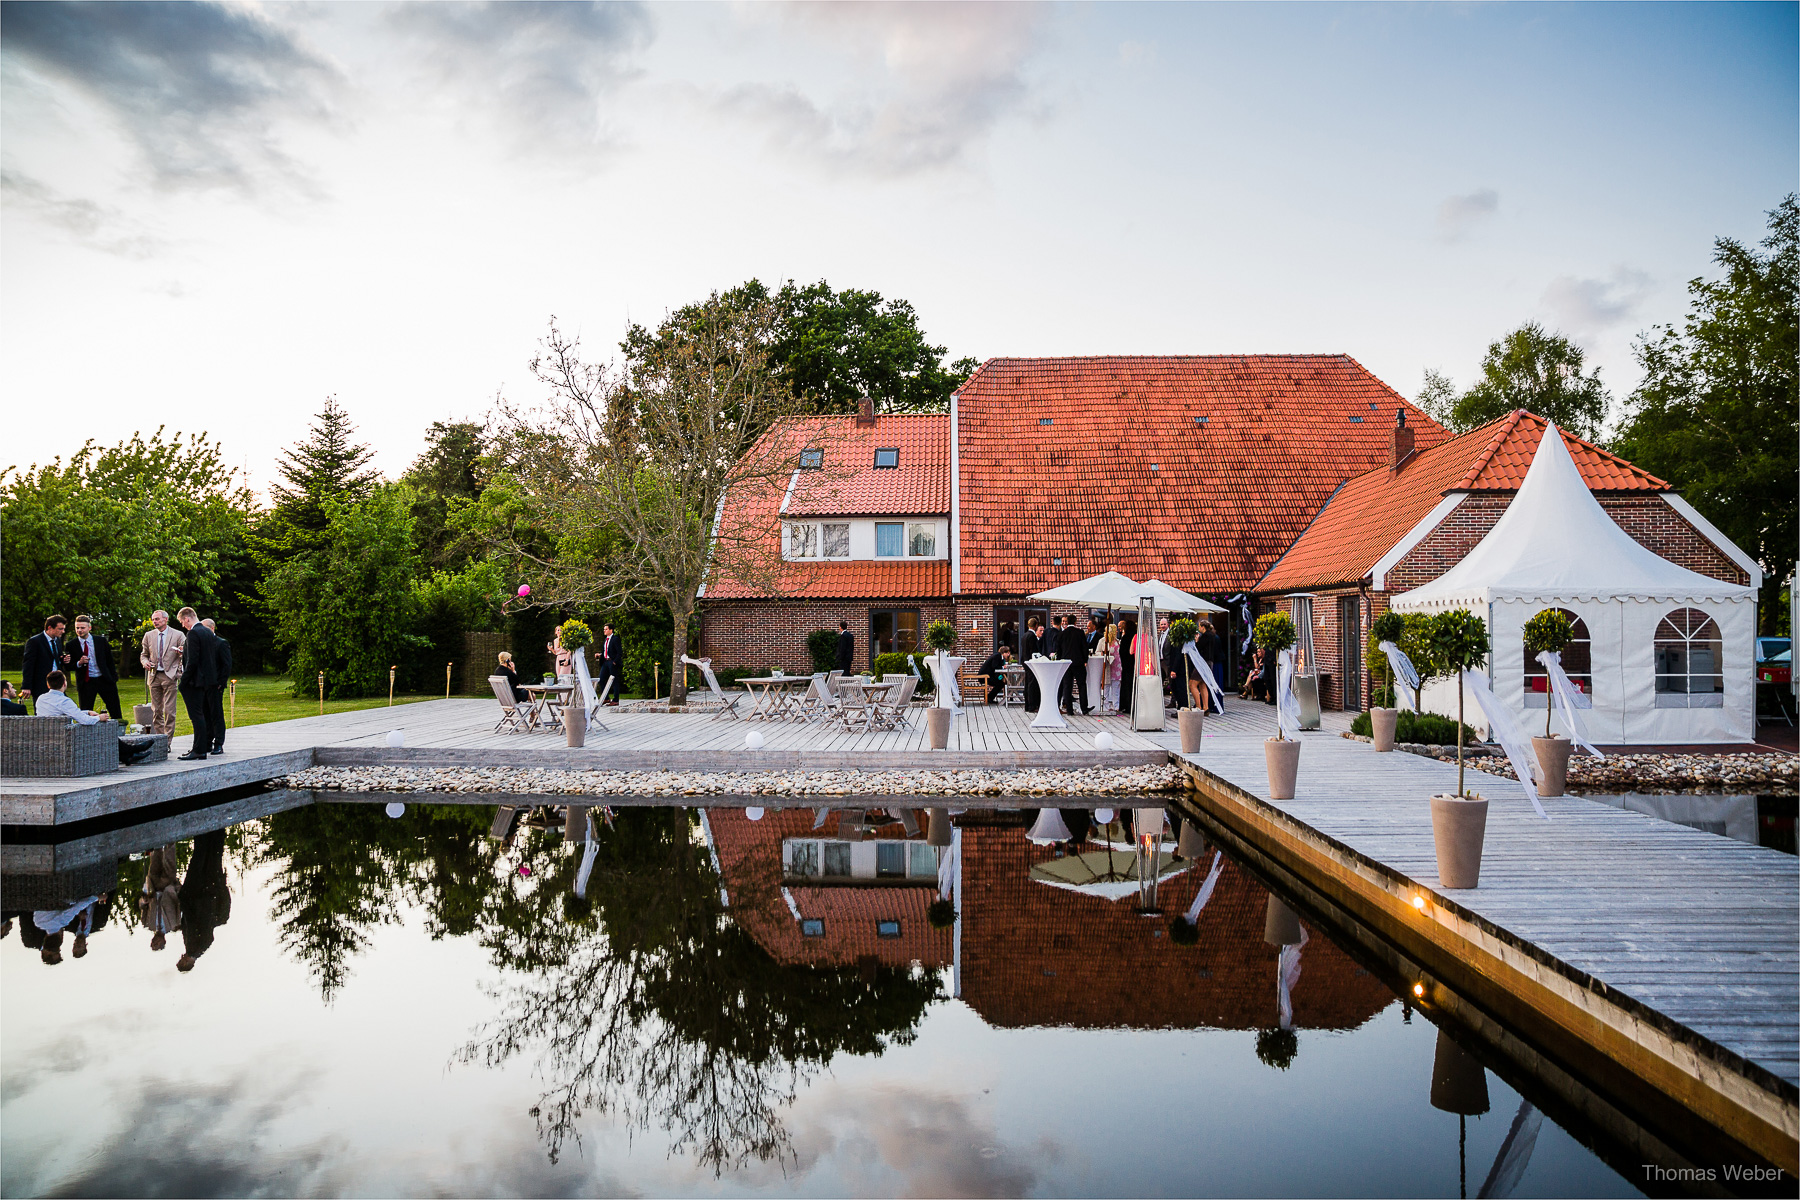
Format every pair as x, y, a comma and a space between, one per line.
1106, 464
1369, 515
848, 484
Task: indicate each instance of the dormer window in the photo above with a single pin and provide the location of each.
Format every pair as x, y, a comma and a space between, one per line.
887, 456
812, 460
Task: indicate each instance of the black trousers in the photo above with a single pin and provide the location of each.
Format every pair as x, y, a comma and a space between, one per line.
1074, 680
106, 689
1128, 684
215, 716
199, 714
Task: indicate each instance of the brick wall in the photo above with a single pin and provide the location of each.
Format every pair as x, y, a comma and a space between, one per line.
772, 633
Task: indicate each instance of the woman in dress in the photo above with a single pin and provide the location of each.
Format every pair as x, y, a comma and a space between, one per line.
1127, 664
506, 669
565, 660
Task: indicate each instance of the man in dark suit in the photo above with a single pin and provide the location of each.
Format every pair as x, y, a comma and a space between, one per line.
1074, 647
199, 675
44, 653
612, 664
215, 695
205, 898
95, 674
846, 654
990, 667
1032, 643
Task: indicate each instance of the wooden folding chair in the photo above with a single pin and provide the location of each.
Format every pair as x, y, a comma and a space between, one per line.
511, 719
728, 706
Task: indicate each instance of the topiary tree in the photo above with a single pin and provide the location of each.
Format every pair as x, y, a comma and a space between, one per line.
1273, 633
941, 914
1548, 632
941, 635
1459, 642
1390, 626
575, 635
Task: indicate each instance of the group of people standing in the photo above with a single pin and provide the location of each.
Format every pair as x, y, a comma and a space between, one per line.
192, 661
609, 664
1118, 647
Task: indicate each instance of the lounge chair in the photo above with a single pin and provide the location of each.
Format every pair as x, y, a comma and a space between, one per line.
728, 704
511, 718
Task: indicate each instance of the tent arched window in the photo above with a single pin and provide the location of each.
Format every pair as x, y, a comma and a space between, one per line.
1577, 662
1690, 669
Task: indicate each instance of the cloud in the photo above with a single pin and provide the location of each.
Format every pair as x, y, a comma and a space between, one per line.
1458, 216
200, 88
1590, 305
935, 80
543, 68
93, 224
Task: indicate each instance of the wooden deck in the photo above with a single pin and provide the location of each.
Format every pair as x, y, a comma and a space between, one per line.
461, 733
1673, 951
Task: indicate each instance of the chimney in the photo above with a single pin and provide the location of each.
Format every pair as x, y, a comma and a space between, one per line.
1403, 441
865, 412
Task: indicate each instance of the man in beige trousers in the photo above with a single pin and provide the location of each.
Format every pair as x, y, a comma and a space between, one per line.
161, 659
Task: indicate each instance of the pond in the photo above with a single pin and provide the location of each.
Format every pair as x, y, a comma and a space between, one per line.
410, 1005
1759, 820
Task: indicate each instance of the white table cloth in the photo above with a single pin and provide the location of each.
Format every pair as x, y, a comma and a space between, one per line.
1049, 674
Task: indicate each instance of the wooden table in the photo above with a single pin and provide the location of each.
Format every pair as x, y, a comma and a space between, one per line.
1012, 684
546, 700
775, 700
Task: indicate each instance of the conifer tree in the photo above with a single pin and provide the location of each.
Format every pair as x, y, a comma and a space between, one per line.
329, 464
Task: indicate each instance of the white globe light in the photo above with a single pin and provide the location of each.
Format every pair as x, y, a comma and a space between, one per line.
1103, 815
755, 814
754, 740
397, 737
1103, 740
396, 809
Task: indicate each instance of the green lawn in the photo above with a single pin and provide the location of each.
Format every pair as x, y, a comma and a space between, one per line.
260, 699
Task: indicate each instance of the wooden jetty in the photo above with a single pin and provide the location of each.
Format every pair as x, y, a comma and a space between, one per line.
1624, 949
460, 733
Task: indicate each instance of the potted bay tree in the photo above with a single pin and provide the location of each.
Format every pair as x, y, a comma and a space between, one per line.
1548, 632
1459, 642
1390, 626
941, 637
1188, 719
575, 637
1274, 634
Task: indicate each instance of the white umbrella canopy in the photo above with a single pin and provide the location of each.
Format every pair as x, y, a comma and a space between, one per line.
1108, 874
1173, 599
1109, 589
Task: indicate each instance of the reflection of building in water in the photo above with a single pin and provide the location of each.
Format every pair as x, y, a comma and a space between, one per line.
1030, 954
1038, 955
817, 896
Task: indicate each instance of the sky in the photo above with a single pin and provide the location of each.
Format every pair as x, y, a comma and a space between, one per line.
214, 216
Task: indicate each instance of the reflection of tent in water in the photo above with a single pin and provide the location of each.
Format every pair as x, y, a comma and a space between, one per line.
1111, 874
1032, 954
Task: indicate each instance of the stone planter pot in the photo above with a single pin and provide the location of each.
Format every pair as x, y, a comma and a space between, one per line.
1458, 826
1381, 725
575, 819
1190, 721
939, 830
1553, 763
575, 725
143, 714
1283, 759
937, 727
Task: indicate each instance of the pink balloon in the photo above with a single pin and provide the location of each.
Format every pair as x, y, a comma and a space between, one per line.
524, 870
524, 590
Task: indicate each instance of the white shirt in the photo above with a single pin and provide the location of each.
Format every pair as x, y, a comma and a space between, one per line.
87, 649
55, 704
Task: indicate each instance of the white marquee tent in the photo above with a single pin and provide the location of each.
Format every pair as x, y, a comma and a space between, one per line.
1672, 651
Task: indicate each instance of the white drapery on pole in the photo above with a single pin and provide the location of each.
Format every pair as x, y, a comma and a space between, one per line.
1515, 1154
1287, 705
1206, 889
1564, 693
1287, 974
586, 681
588, 855
1506, 731
1404, 671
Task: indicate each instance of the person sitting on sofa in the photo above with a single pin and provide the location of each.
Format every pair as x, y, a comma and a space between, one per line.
53, 703
9, 700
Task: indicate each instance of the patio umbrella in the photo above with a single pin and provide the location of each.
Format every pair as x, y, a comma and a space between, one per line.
1173, 599
1109, 589
1108, 874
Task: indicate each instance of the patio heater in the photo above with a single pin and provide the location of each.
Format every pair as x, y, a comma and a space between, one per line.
1147, 830
1147, 696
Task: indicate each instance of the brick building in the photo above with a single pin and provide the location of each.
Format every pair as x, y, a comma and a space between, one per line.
1407, 522
1198, 470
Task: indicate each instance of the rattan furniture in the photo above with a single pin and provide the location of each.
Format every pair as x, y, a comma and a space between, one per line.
57, 746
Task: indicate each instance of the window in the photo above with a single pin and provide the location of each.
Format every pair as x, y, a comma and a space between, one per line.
1009, 626
924, 863
803, 541
887, 456
803, 858
1046, 420
921, 540
1689, 661
812, 927
890, 860
890, 539
837, 541
893, 631
1577, 661
812, 460
837, 859
887, 929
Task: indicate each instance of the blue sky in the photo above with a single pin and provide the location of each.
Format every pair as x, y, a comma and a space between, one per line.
213, 217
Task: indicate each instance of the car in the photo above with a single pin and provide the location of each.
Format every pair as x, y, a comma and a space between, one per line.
1774, 659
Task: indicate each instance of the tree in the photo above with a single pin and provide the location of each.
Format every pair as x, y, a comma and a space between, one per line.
615, 488
446, 476
1532, 369
345, 605
1459, 642
1715, 413
328, 465
1437, 398
834, 347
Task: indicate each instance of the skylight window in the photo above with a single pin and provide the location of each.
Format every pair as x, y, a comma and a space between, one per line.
1046, 420
812, 460
887, 456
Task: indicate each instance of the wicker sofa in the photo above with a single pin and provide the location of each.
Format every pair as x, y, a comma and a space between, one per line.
38, 746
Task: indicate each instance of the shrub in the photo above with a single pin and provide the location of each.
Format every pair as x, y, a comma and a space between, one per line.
1427, 729
575, 635
1274, 632
898, 664
821, 644
1550, 630
940, 635
941, 914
